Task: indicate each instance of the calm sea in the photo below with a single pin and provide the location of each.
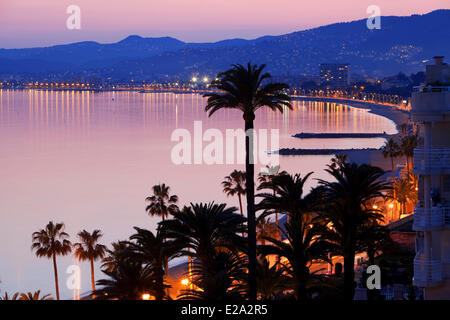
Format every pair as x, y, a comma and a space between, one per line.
89, 160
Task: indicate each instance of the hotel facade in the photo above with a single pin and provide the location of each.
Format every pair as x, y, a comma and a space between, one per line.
431, 110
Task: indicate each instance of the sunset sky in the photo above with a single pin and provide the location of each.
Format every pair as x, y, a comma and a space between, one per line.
27, 23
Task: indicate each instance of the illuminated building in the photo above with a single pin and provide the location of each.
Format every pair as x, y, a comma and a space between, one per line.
431, 110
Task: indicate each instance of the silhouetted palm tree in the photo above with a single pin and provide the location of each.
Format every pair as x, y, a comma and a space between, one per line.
50, 242
88, 249
242, 88
6, 296
234, 184
128, 281
154, 252
271, 280
266, 181
222, 279
407, 146
347, 206
265, 228
161, 202
391, 150
338, 160
114, 255
205, 229
303, 243
373, 238
35, 296
405, 192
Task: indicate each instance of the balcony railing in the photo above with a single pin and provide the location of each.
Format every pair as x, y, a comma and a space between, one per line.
426, 218
427, 271
431, 159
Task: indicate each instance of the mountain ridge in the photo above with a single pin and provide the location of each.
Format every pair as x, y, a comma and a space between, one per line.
403, 44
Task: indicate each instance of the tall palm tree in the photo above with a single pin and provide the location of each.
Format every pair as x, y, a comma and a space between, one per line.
347, 206
161, 203
407, 146
154, 252
302, 231
391, 150
234, 184
88, 249
51, 242
265, 180
35, 296
242, 88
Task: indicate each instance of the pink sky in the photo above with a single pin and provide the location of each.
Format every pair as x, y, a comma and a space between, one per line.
26, 23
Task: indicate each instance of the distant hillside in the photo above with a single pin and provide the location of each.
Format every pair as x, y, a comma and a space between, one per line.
403, 44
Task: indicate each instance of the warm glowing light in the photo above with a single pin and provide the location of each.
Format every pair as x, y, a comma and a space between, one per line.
205, 79
194, 79
185, 282
146, 296
375, 206
391, 205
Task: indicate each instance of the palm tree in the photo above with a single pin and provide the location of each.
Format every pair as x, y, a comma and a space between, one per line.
161, 202
338, 160
372, 239
209, 234
266, 181
242, 88
88, 249
223, 279
392, 150
406, 193
114, 255
271, 280
128, 281
50, 242
347, 207
265, 228
301, 230
154, 252
234, 184
6, 296
303, 244
35, 296
206, 228
407, 146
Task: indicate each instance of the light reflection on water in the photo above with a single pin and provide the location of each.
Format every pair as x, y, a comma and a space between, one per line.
89, 159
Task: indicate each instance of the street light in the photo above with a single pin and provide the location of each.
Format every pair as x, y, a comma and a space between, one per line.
146, 296
185, 282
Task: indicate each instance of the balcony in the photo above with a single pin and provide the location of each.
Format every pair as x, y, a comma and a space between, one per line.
430, 103
426, 219
427, 273
431, 161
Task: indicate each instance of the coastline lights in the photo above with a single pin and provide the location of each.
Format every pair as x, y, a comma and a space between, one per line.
194, 79
205, 79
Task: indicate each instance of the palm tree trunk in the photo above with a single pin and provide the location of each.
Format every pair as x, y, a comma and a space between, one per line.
92, 277
251, 217
240, 204
301, 283
349, 274
55, 269
407, 166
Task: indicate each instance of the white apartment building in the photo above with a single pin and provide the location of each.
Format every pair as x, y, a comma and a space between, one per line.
431, 110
